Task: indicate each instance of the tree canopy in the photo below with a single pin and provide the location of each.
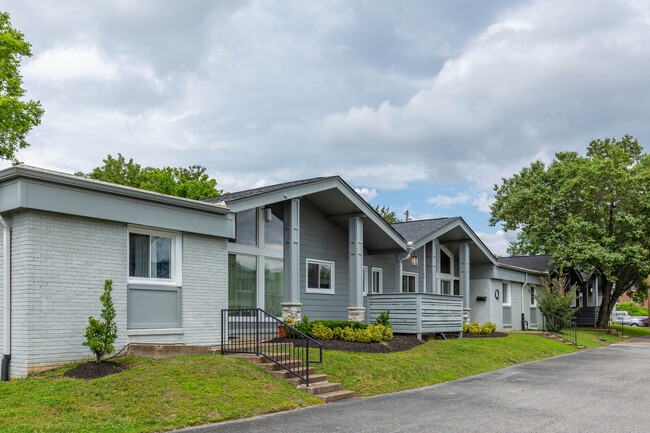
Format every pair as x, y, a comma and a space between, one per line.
589, 212
17, 117
388, 215
191, 182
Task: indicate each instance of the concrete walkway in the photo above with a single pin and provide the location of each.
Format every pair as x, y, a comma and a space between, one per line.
599, 390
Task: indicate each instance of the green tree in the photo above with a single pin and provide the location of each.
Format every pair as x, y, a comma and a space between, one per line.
388, 215
17, 117
100, 336
556, 299
589, 212
191, 182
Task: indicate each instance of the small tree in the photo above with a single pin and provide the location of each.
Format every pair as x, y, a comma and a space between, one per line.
556, 298
101, 335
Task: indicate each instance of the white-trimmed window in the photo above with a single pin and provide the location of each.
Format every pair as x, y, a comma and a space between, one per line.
445, 287
377, 280
365, 280
320, 277
533, 300
154, 256
505, 295
409, 282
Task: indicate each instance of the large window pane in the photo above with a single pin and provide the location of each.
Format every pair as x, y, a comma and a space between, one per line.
161, 253
445, 263
138, 255
325, 276
273, 286
274, 229
312, 275
246, 227
242, 281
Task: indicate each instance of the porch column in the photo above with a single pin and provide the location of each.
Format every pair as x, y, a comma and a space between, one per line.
463, 263
291, 307
398, 273
356, 310
431, 267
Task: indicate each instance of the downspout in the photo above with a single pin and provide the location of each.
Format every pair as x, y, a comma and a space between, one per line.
6, 285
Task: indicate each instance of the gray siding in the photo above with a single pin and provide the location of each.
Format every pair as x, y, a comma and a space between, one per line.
321, 239
59, 266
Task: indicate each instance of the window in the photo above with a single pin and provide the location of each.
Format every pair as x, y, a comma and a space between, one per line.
533, 301
365, 280
246, 227
445, 262
154, 257
409, 282
274, 229
273, 286
506, 293
377, 280
445, 287
242, 281
320, 277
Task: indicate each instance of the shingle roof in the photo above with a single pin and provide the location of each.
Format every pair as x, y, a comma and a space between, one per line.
535, 263
263, 190
413, 231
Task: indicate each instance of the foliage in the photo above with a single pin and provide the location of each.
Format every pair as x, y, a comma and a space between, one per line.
632, 308
638, 296
388, 215
153, 396
556, 298
340, 324
100, 336
320, 332
589, 212
383, 319
366, 334
17, 117
303, 326
191, 182
475, 328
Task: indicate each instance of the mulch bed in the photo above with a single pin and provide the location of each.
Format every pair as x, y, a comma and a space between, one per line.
95, 370
399, 343
495, 334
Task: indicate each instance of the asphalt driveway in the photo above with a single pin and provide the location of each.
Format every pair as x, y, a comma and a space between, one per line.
599, 390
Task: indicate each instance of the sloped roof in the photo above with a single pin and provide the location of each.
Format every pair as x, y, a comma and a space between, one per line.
264, 190
413, 231
539, 263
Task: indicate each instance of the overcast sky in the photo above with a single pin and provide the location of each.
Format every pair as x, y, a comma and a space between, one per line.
419, 105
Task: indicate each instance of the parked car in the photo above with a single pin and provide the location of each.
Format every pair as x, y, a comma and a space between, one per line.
624, 316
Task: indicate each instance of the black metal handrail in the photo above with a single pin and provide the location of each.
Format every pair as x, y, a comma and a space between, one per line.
560, 327
609, 325
253, 330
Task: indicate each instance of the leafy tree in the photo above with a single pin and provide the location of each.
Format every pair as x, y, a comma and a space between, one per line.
17, 117
388, 215
100, 336
556, 299
589, 212
191, 182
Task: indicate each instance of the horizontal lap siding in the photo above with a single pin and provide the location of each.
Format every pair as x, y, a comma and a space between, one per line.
442, 314
321, 239
439, 313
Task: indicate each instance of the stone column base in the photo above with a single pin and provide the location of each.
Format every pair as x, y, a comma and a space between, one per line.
293, 310
466, 316
357, 314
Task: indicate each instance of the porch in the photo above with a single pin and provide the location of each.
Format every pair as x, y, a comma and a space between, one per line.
419, 313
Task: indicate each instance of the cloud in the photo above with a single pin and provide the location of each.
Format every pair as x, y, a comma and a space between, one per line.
498, 242
447, 201
483, 202
70, 63
367, 194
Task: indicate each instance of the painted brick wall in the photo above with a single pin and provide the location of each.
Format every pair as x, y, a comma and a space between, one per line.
59, 266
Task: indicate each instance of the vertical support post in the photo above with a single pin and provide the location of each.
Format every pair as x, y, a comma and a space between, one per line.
398, 273
291, 307
356, 311
260, 260
431, 267
463, 262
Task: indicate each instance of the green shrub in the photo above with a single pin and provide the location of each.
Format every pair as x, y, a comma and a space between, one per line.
100, 336
632, 308
475, 328
331, 324
488, 328
304, 326
556, 299
383, 319
347, 333
388, 334
320, 332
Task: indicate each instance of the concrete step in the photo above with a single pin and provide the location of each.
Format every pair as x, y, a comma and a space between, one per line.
285, 374
335, 396
313, 378
272, 366
320, 388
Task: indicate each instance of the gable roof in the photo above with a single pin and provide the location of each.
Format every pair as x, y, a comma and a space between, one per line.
248, 193
541, 263
413, 231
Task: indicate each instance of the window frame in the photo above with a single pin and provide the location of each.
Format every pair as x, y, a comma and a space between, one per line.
365, 281
410, 274
332, 289
451, 286
533, 298
380, 289
176, 256
506, 287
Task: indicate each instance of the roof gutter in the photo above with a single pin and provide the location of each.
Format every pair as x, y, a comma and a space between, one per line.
6, 285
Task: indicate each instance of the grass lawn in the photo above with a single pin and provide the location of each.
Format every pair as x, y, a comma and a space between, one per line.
152, 396
434, 362
592, 340
632, 331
